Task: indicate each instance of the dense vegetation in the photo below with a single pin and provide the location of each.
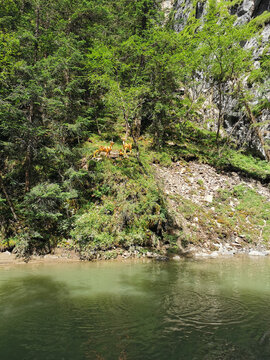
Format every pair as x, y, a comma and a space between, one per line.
76, 74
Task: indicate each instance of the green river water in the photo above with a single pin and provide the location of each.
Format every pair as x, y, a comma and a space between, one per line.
210, 309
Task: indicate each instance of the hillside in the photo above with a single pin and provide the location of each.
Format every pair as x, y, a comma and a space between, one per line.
79, 78
217, 213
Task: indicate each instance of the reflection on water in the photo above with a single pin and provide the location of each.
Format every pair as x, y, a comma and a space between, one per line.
216, 309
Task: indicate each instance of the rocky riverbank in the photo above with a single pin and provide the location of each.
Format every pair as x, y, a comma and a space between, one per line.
216, 213
213, 213
8, 259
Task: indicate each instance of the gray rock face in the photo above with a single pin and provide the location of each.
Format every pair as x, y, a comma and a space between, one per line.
250, 9
183, 9
245, 11
236, 121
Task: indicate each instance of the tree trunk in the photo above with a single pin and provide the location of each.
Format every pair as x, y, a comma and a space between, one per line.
137, 127
220, 114
127, 129
127, 126
28, 157
37, 32
12, 209
28, 165
136, 147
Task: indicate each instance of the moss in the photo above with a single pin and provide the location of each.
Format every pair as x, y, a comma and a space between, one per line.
256, 76
261, 20
251, 217
200, 145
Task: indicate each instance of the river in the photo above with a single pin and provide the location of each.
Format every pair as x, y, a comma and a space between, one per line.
207, 309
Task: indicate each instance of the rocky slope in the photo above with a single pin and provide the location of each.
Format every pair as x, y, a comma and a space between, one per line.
216, 213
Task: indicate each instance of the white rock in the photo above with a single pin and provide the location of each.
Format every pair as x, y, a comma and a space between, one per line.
202, 254
214, 254
208, 198
256, 253
49, 256
236, 244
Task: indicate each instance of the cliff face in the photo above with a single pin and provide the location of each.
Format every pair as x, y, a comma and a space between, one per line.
235, 120
249, 9
245, 11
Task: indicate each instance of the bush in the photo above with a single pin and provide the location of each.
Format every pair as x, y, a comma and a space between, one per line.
128, 210
45, 210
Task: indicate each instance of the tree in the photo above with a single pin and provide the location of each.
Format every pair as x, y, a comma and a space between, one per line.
225, 59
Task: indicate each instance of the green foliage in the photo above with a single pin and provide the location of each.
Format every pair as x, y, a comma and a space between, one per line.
44, 209
71, 70
196, 144
128, 210
251, 215
221, 43
256, 168
262, 19
239, 212
7, 244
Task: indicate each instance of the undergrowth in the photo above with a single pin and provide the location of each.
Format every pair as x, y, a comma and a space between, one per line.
192, 143
125, 208
239, 213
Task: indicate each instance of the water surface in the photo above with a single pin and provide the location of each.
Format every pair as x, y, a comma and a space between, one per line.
210, 309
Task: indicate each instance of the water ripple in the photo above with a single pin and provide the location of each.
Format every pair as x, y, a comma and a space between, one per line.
193, 309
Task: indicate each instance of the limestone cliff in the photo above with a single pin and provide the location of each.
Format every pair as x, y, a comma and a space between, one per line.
236, 121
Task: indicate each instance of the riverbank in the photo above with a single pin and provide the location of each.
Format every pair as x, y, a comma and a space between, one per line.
216, 212
66, 256
179, 202
8, 259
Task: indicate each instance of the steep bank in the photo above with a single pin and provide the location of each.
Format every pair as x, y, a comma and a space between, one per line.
182, 200
215, 210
